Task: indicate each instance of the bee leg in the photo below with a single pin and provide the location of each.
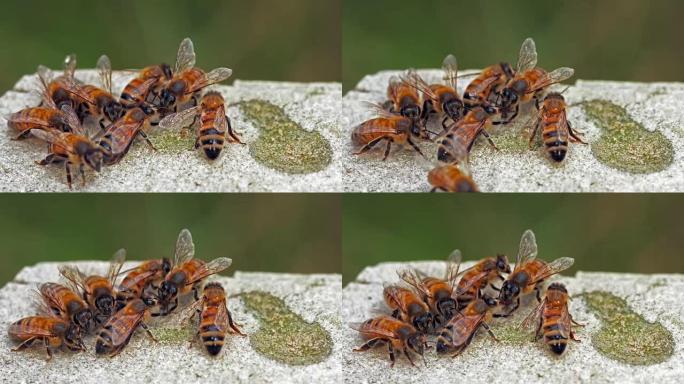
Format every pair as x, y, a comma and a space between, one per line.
489, 330
49, 159
387, 149
576, 323
434, 189
491, 142
25, 344
517, 304
412, 144
538, 333
395, 314
68, 173
368, 146
444, 120
149, 333
234, 326
408, 356
575, 134
498, 289
572, 337
369, 344
102, 125
534, 132
192, 339
391, 353
47, 348
147, 139
233, 134
538, 293
82, 173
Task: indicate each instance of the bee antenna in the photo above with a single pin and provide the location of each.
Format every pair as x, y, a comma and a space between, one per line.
563, 91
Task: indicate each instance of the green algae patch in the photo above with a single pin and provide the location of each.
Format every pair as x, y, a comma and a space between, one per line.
173, 141
513, 334
625, 144
283, 144
283, 335
626, 336
172, 335
513, 139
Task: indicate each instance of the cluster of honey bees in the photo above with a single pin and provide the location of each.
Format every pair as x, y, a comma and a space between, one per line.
82, 304
86, 125
494, 97
449, 311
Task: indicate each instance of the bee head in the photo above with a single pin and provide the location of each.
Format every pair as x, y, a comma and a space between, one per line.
93, 156
508, 97
415, 342
424, 323
509, 291
502, 263
454, 109
166, 266
447, 308
113, 110
105, 304
167, 291
82, 319
72, 339
442, 346
411, 111
166, 70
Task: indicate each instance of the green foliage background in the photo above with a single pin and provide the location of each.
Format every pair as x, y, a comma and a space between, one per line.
279, 233
602, 39
259, 39
603, 232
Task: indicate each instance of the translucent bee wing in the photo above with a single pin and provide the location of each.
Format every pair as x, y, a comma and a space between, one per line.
392, 87
129, 324
553, 268
453, 264
533, 316
556, 76
179, 119
527, 58
104, 67
413, 79
47, 136
115, 265
45, 78
378, 110
185, 59
71, 119
70, 66
185, 248
527, 250
216, 75
210, 268
411, 278
450, 67
73, 275
565, 322
220, 122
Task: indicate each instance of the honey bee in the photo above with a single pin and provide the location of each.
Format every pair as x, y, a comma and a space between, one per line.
62, 90
98, 291
453, 176
440, 98
188, 80
63, 302
75, 148
554, 319
187, 273
555, 127
460, 330
404, 100
529, 82
215, 318
52, 332
214, 127
140, 91
529, 273
389, 127
464, 133
38, 118
117, 331
138, 279
119, 136
100, 103
398, 335
408, 307
477, 277
437, 293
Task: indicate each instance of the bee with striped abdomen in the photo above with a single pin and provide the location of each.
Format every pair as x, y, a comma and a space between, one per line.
119, 136
99, 103
554, 320
453, 174
51, 332
460, 330
139, 279
464, 133
408, 307
477, 277
398, 335
555, 128
117, 331
215, 318
63, 302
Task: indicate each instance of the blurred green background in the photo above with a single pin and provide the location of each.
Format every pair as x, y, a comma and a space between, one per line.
259, 39
607, 232
277, 233
602, 39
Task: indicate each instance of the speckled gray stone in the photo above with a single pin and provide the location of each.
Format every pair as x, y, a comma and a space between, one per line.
658, 106
315, 106
655, 297
314, 297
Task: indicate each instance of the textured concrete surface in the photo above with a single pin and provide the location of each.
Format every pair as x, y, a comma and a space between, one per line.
314, 297
314, 106
655, 297
657, 106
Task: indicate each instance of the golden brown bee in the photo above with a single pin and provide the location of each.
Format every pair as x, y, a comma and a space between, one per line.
215, 318
403, 97
214, 127
555, 127
75, 148
98, 291
481, 91
477, 277
51, 332
141, 91
138, 279
187, 273
63, 302
119, 136
442, 98
391, 128
454, 175
398, 335
464, 133
62, 90
554, 319
460, 330
99, 103
439, 294
408, 307
529, 273
117, 331
38, 118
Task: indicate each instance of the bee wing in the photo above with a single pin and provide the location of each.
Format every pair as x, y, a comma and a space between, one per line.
73, 275
220, 122
129, 322
532, 317
51, 137
556, 76
179, 119
378, 110
125, 129
527, 250
375, 331
554, 267
210, 268
527, 58
42, 306
72, 120
185, 59
453, 264
415, 81
463, 287
456, 148
45, 78
394, 84
34, 330
450, 67
411, 278
185, 248
104, 67
52, 302
216, 75
70, 66
221, 314
115, 265
565, 323
464, 326
392, 290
